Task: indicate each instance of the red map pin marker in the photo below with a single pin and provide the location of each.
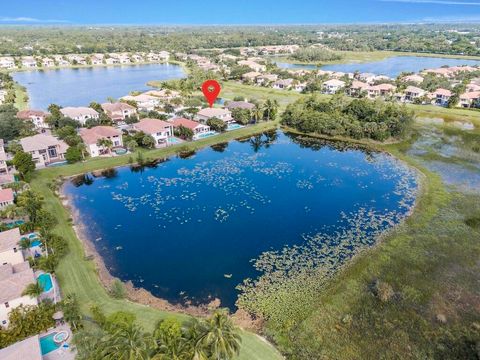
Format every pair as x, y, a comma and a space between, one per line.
211, 89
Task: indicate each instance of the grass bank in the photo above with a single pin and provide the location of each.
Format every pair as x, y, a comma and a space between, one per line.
78, 275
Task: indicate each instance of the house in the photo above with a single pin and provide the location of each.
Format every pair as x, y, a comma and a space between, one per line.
3, 159
207, 113
299, 87
97, 59
252, 65
112, 61
412, 93
416, 79
266, 79
441, 96
45, 149
144, 102
250, 76
164, 55
332, 86
357, 88
81, 113
28, 349
164, 94
7, 62
47, 62
383, 90
160, 130
13, 281
282, 84
239, 105
60, 60
77, 59
196, 127
124, 59
6, 197
29, 62
10, 251
119, 111
92, 136
469, 99
37, 117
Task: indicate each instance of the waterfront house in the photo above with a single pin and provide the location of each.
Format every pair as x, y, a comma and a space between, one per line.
207, 113
441, 97
357, 88
37, 117
382, 90
119, 111
469, 99
164, 55
412, 93
414, 78
10, 251
48, 62
45, 149
266, 79
92, 136
13, 281
196, 127
164, 94
253, 65
77, 59
81, 113
144, 102
60, 60
28, 349
112, 61
29, 62
96, 59
4, 170
250, 76
332, 86
239, 105
6, 198
282, 84
7, 62
160, 130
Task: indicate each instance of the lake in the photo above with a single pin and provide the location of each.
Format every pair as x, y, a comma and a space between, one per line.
79, 87
188, 228
391, 66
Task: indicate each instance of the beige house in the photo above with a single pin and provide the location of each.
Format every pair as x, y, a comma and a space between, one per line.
412, 93
144, 102
251, 76
332, 86
10, 252
81, 113
37, 117
13, 281
196, 127
119, 111
45, 149
29, 62
208, 113
92, 136
380, 90
441, 97
28, 349
160, 130
469, 99
7, 62
252, 65
6, 197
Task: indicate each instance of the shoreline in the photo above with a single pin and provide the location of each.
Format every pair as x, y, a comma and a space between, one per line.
136, 294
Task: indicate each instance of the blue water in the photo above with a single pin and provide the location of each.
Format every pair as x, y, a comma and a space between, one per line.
393, 66
79, 87
35, 243
47, 344
231, 127
206, 135
285, 65
182, 228
45, 281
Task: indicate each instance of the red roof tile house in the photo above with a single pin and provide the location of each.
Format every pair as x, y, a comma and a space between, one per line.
196, 127
160, 130
380, 90
92, 137
441, 97
6, 197
469, 99
37, 117
207, 113
119, 111
45, 149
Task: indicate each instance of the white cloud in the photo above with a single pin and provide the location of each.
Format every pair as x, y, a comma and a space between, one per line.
436, 2
24, 19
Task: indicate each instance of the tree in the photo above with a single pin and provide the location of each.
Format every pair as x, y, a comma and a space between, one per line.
71, 311
183, 132
31, 202
257, 113
24, 164
73, 154
242, 116
131, 145
117, 290
106, 144
270, 109
217, 124
96, 106
172, 344
127, 343
148, 141
33, 290
10, 126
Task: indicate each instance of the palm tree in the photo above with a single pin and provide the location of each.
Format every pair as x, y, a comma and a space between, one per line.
33, 290
271, 107
127, 342
25, 243
219, 335
106, 144
257, 113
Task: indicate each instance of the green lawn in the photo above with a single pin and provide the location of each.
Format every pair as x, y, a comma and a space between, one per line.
78, 275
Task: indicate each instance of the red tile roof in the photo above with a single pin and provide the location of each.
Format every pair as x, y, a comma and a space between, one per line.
6, 195
190, 124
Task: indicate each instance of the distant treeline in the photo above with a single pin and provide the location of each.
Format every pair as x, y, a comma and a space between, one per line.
358, 118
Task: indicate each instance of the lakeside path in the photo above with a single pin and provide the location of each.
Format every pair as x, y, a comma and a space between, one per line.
78, 275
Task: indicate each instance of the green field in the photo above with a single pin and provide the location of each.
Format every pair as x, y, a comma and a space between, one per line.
78, 275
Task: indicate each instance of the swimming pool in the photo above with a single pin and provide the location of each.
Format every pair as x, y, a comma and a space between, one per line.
47, 344
45, 281
206, 135
174, 140
231, 127
58, 163
35, 243
120, 151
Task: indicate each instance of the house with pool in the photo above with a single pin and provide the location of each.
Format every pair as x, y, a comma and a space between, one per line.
207, 113
37, 117
6, 198
196, 127
81, 113
10, 251
119, 111
45, 149
14, 278
91, 137
160, 130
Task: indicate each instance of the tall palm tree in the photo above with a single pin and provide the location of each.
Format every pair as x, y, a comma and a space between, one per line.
127, 342
271, 107
33, 290
106, 144
257, 113
219, 336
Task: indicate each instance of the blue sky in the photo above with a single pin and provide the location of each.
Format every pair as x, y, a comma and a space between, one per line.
236, 12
